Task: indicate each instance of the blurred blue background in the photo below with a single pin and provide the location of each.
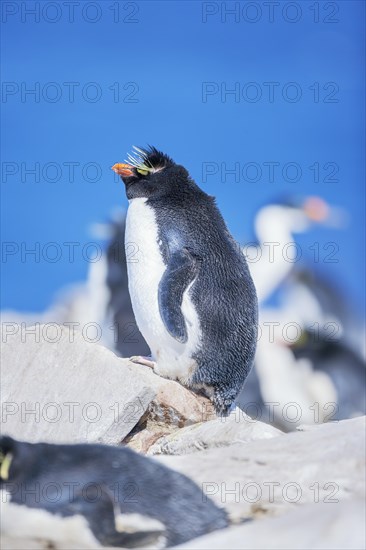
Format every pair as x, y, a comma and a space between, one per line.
168, 50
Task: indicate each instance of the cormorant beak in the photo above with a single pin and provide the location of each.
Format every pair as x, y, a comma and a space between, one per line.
316, 209
123, 170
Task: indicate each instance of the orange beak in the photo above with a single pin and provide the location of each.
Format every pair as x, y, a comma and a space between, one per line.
124, 170
316, 209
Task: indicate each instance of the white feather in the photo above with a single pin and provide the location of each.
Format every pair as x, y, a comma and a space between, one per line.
19, 521
145, 270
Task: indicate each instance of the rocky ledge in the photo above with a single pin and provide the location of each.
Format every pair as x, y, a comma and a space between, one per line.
297, 490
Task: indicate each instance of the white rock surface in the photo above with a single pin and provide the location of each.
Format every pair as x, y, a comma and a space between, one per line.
220, 432
272, 476
57, 387
321, 526
303, 490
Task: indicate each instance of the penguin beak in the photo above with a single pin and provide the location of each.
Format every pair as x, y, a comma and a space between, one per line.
123, 170
316, 209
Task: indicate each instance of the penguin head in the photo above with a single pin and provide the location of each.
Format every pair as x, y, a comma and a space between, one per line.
151, 173
292, 214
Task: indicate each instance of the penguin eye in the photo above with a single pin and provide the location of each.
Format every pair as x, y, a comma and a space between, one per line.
142, 172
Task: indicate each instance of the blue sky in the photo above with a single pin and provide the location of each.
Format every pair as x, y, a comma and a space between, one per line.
157, 72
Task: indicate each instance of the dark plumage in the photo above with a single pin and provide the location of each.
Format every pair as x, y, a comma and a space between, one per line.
202, 265
99, 482
345, 368
128, 339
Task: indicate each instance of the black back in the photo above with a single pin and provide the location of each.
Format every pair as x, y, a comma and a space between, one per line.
92, 480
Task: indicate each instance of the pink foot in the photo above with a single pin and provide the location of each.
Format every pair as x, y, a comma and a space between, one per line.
143, 361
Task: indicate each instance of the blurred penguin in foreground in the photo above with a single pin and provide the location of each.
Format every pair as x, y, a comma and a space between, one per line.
87, 495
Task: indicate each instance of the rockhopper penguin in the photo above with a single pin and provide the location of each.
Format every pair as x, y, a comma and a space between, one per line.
89, 493
192, 294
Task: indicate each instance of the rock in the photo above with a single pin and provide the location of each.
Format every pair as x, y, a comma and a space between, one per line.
8, 542
298, 490
57, 387
269, 476
236, 428
175, 404
173, 407
318, 526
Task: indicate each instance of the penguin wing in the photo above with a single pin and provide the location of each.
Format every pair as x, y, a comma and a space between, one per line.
112, 527
181, 270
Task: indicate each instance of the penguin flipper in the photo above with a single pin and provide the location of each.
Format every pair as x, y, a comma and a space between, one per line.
109, 525
180, 272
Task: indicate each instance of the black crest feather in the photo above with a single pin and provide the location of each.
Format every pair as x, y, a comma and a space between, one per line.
148, 158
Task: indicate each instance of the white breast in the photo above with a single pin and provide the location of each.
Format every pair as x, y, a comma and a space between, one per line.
20, 523
145, 269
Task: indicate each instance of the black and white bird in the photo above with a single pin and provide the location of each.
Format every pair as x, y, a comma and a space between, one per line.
316, 367
344, 366
192, 294
87, 495
275, 225
127, 340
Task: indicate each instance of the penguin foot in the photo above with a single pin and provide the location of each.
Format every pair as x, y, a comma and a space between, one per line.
147, 361
223, 401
